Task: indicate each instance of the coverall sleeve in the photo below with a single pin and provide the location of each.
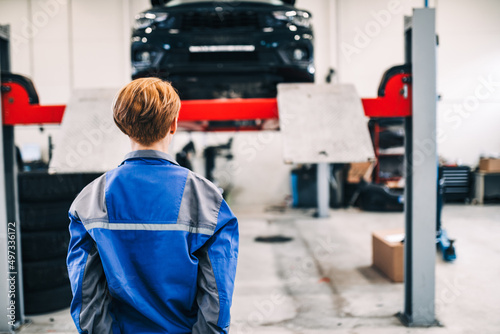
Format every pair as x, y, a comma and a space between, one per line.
216, 273
91, 300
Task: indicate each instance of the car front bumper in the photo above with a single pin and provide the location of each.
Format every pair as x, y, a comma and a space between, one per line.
205, 66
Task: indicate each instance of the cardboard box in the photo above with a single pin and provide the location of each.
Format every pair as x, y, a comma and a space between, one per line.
489, 165
388, 253
360, 170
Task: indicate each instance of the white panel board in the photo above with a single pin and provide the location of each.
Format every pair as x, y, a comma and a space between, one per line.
323, 123
89, 140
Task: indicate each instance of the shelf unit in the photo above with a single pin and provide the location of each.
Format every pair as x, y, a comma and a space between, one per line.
388, 143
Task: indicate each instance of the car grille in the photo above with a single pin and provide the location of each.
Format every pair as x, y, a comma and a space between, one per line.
223, 57
219, 20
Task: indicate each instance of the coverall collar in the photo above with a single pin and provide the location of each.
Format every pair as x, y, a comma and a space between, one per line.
150, 154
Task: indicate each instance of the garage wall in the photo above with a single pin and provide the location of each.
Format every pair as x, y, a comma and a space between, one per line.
68, 44
371, 40
469, 79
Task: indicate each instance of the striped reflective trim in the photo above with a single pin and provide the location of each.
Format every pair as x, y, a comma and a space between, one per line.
148, 227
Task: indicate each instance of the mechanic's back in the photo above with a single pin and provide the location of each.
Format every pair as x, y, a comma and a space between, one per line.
153, 245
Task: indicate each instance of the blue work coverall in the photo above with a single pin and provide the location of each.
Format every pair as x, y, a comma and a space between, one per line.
153, 249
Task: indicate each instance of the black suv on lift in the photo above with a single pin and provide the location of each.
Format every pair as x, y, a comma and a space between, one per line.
224, 49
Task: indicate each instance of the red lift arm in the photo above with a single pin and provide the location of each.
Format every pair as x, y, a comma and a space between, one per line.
20, 105
394, 94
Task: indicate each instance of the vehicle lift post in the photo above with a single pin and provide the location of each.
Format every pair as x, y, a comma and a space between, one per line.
323, 189
19, 106
11, 291
413, 96
421, 172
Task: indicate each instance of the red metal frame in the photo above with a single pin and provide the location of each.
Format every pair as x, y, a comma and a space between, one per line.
228, 110
394, 103
17, 109
196, 114
377, 129
203, 115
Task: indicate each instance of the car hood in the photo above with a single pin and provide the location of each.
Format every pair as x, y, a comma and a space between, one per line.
196, 5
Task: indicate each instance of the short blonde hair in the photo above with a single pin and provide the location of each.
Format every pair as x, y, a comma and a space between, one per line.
145, 109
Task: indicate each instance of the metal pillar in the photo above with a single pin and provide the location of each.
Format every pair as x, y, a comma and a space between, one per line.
4, 276
421, 173
11, 284
14, 258
323, 187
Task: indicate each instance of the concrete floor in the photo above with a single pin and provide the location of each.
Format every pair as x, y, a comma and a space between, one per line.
322, 282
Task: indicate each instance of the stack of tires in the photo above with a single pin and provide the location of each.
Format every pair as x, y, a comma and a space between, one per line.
44, 201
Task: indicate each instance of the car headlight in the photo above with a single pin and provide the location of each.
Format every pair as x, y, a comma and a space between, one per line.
295, 17
144, 20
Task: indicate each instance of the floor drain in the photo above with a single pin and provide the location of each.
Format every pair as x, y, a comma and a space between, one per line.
273, 239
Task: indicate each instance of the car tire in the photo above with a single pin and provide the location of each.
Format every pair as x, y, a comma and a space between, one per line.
44, 216
45, 275
40, 246
45, 301
44, 187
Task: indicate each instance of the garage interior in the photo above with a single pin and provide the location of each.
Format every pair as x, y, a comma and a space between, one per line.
328, 241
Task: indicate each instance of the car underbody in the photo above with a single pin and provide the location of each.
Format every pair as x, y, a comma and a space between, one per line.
224, 49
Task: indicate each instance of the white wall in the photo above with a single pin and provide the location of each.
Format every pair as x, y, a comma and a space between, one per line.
257, 173
469, 54
371, 41
68, 44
